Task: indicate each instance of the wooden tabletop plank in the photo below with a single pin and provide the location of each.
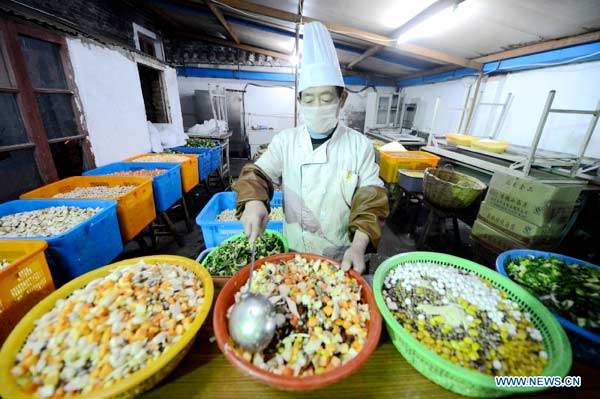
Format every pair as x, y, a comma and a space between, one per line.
205, 373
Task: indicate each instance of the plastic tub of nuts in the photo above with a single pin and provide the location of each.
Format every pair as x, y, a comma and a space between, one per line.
217, 219
82, 235
190, 176
166, 179
114, 332
134, 194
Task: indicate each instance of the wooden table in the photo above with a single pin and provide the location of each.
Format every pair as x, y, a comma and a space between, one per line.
205, 373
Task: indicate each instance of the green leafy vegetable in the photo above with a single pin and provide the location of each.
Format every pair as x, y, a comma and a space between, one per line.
571, 290
231, 256
194, 142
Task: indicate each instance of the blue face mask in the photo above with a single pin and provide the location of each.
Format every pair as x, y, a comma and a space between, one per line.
318, 136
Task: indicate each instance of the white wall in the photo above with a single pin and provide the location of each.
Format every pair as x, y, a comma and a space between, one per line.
273, 105
109, 88
577, 87
451, 99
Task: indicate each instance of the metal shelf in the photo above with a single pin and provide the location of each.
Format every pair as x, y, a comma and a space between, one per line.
519, 161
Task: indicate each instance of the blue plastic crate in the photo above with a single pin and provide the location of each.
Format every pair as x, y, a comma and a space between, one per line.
215, 232
214, 154
166, 187
215, 158
585, 344
204, 165
85, 247
192, 150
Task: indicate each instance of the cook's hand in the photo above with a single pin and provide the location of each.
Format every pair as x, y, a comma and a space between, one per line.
254, 219
355, 255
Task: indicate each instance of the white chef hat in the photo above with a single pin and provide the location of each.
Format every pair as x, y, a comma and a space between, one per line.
320, 65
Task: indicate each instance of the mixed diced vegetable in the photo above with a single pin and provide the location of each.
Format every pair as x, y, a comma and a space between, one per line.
162, 158
109, 329
321, 319
464, 319
140, 172
96, 192
44, 222
571, 290
228, 215
232, 255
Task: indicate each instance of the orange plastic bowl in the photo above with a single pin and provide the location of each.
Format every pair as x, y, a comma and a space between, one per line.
220, 324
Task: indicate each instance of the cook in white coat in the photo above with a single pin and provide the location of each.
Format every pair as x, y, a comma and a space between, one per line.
334, 201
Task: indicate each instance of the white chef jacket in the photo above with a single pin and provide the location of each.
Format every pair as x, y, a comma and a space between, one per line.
318, 185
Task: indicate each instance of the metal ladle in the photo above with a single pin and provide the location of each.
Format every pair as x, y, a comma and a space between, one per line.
252, 320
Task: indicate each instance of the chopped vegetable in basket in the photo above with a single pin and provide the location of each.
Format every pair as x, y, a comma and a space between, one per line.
109, 329
44, 222
96, 192
195, 142
3, 263
321, 320
571, 290
228, 215
168, 156
464, 319
140, 172
231, 256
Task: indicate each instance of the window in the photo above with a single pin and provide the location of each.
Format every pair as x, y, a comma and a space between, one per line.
148, 42
41, 138
383, 104
147, 45
409, 116
154, 94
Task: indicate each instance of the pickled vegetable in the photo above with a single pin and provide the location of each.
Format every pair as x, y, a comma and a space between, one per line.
231, 256
571, 290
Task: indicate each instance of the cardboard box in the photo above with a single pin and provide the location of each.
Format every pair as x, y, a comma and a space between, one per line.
532, 201
518, 228
501, 241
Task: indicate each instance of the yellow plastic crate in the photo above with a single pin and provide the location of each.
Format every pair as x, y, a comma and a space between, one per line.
189, 168
135, 210
390, 163
461, 139
24, 282
139, 381
496, 146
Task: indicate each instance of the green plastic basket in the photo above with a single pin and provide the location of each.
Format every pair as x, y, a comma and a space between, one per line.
445, 373
237, 236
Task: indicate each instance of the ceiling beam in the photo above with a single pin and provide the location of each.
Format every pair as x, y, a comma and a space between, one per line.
370, 51
176, 30
517, 52
428, 12
240, 46
428, 72
543, 46
368, 37
219, 15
